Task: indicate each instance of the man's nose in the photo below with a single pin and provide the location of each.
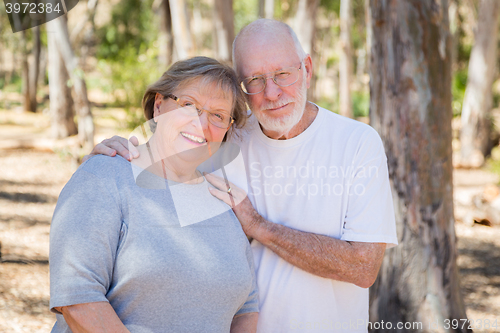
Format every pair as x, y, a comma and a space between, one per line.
272, 91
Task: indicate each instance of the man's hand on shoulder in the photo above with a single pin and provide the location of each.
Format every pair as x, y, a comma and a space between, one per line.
116, 145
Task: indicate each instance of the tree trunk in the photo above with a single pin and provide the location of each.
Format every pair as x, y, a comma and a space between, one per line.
224, 28
368, 22
476, 125
34, 69
266, 9
25, 72
61, 103
166, 40
183, 42
305, 28
345, 63
410, 106
59, 27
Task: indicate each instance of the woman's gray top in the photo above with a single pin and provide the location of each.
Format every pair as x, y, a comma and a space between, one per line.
119, 239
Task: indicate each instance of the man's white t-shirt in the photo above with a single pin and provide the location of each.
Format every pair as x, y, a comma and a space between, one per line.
332, 180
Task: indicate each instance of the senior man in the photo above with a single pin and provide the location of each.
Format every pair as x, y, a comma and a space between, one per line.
319, 206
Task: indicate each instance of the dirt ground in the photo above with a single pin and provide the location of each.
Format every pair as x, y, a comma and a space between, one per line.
31, 179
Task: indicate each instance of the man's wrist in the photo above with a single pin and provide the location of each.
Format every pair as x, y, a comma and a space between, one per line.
261, 230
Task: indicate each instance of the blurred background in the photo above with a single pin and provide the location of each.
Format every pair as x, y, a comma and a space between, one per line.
74, 81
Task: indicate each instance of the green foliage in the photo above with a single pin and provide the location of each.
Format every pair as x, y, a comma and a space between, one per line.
14, 85
360, 103
245, 11
459, 84
329, 104
129, 78
127, 53
493, 162
331, 5
132, 25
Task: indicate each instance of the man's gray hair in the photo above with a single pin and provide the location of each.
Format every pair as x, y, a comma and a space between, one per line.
268, 25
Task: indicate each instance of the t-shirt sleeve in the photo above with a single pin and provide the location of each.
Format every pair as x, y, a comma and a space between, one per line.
84, 236
370, 211
252, 302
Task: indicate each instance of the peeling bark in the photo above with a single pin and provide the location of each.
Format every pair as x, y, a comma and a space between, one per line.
410, 106
224, 28
165, 37
478, 100
59, 29
266, 9
345, 63
61, 103
305, 28
34, 69
183, 41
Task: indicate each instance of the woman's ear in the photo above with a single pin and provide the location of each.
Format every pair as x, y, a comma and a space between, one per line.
156, 106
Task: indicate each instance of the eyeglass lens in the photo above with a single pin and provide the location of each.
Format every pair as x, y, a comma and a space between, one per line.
217, 118
283, 78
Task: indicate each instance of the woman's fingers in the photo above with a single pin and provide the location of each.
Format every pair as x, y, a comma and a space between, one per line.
218, 182
224, 196
221, 190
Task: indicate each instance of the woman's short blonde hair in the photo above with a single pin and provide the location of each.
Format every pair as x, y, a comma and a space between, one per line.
208, 70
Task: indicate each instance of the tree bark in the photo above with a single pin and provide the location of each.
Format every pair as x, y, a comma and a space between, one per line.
166, 40
345, 63
368, 22
25, 72
59, 28
183, 41
34, 69
410, 106
61, 103
305, 28
266, 9
224, 28
476, 125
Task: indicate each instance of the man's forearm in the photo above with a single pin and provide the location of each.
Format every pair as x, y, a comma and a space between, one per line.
353, 262
96, 317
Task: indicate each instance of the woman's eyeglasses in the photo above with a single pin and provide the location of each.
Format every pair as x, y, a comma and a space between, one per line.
217, 118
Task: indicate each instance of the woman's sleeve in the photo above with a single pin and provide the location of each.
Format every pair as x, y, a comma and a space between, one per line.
252, 302
84, 237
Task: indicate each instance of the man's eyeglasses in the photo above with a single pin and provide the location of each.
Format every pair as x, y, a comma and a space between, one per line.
285, 77
216, 118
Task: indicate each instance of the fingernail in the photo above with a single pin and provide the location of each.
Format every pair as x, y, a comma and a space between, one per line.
136, 154
127, 156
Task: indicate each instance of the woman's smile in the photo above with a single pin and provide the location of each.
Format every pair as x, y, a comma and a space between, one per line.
194, 138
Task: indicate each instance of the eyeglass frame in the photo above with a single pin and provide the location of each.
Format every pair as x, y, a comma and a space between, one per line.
267, 76
200, 111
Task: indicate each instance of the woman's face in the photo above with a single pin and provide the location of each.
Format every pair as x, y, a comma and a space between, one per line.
182, 133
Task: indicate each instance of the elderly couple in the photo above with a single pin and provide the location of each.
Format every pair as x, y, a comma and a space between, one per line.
153, 245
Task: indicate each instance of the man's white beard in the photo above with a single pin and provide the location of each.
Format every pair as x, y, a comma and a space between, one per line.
284, 124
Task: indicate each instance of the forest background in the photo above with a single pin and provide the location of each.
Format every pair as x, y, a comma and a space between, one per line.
73, 81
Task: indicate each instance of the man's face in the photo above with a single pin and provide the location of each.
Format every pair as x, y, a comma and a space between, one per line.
278, 109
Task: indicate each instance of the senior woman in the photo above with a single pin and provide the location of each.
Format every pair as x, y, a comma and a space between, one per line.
129, 251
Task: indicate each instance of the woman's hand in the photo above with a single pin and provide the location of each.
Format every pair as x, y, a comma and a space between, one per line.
116, 145
238, 200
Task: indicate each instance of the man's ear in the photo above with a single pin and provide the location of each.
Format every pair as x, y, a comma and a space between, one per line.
308, 66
